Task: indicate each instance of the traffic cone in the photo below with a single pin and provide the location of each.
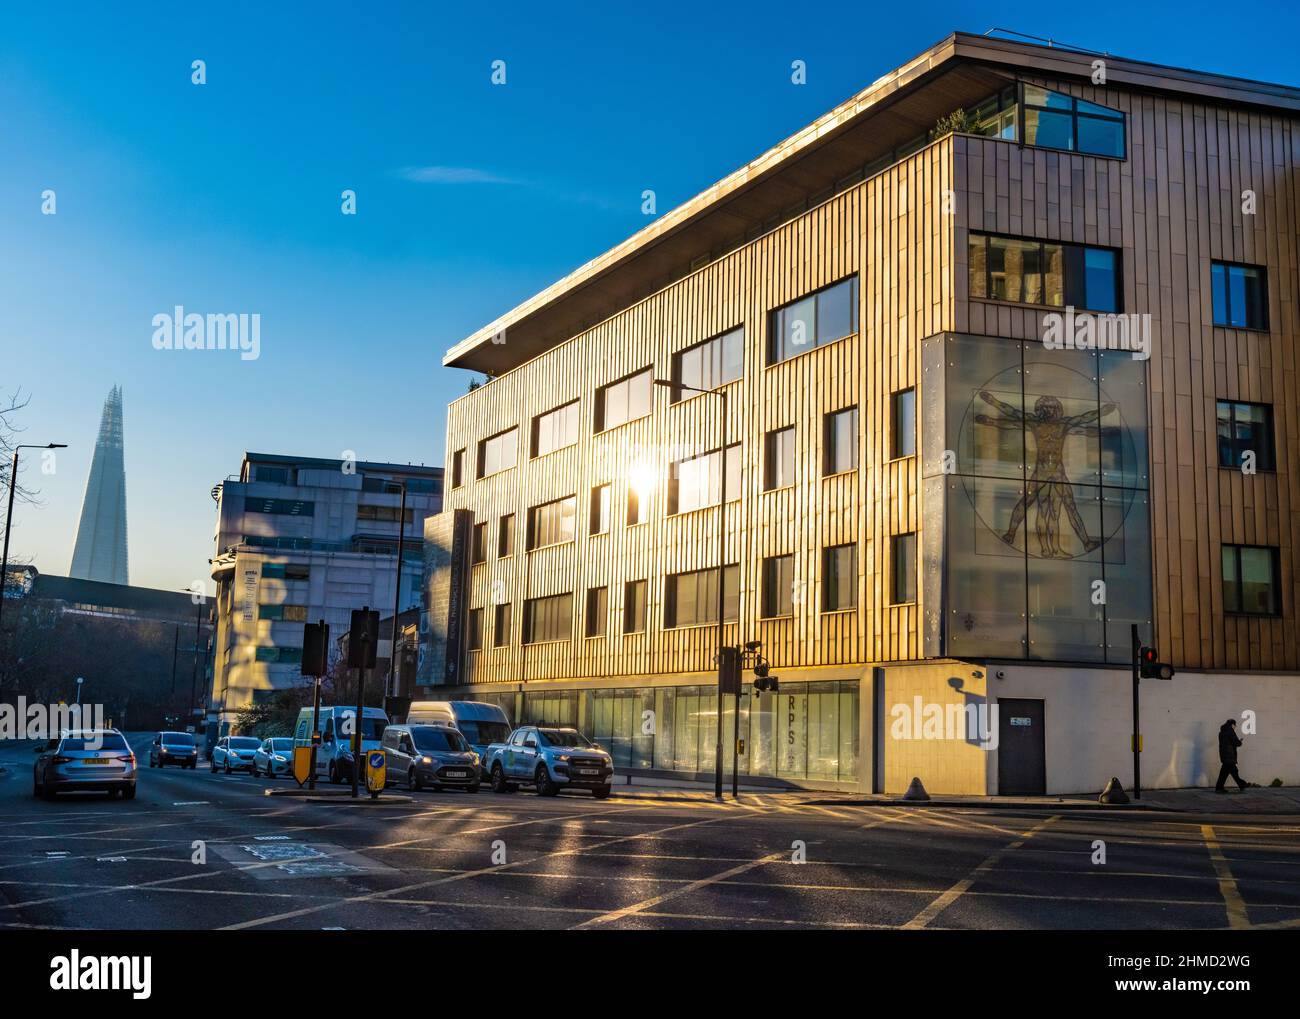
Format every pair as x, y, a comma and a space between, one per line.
916, 791
1113, 793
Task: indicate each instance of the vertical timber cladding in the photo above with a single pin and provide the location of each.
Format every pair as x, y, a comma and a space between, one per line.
890, 230
446, 557
1172, 206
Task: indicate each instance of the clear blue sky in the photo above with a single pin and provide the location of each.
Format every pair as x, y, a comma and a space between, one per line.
225, 198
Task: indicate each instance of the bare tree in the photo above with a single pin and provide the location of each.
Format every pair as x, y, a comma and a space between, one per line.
10, 434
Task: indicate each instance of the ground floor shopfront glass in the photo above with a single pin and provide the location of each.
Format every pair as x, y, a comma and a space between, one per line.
807, 731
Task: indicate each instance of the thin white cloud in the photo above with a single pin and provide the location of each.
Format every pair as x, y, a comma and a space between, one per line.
451, 175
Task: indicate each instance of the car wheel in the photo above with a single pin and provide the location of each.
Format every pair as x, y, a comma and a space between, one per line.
413, 780
499, 783
128, 792
228, 771
545, 787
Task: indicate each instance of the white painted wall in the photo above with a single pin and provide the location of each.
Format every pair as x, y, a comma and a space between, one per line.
1088, 721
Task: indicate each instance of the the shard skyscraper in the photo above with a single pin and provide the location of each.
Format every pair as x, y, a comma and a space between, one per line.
100, 552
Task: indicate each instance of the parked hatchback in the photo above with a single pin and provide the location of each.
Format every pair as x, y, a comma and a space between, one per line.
274, 757
173, 748
234, 753
85, 759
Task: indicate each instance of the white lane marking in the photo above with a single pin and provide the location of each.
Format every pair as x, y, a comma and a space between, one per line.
932, 911
382, 895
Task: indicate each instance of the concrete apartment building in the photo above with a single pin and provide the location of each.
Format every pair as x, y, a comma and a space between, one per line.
932, 509
300, 539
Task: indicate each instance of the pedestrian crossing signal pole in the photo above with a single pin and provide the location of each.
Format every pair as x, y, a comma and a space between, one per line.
315, 659
1137, 735
362, 640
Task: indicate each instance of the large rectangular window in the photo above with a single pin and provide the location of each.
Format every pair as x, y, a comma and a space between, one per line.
1055, 120
697, 482
839, 578
498, 452
1026, 271
501, 625
457, 468
624, 400
778, 586
840, 442
547, 619
279, 507
902, 569
709, 364
552, 523
286, 571
902, 424
475, 636
778, 459
597, 611
634, 613
1245, 429
555, 429
478, 544
599, 516
286, 613
691, 599
1240, 295
1252, 580
828, 315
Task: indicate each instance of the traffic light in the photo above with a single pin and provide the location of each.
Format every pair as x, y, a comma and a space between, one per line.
730, 678
363, 639
315, 648
1150, 666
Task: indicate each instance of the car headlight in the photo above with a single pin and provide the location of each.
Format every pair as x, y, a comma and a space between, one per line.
564, 757
426, 760
279, 758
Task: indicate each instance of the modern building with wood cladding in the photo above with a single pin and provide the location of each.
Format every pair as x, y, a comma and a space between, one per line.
1008, 349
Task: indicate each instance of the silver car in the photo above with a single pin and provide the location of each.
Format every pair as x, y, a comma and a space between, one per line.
274, 757
85, 759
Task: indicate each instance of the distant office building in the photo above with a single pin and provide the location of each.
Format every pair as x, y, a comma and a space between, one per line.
100, 552
298, 540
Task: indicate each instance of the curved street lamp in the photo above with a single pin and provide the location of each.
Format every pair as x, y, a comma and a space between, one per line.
9, 518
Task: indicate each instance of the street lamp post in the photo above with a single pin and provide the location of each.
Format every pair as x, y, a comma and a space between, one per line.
9, 517
722, 568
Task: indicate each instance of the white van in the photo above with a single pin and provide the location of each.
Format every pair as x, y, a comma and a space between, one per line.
481, 724
334, 758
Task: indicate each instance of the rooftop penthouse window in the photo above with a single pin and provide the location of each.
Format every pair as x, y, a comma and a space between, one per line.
1051, 120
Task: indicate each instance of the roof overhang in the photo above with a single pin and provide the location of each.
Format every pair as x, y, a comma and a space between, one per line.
962, 69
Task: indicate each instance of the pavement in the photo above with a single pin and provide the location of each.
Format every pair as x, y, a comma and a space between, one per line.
197, 850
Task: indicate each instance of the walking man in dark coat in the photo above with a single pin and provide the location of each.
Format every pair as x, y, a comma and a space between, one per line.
1228, 743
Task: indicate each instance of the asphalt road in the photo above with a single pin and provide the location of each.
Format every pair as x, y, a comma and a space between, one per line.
197, 850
